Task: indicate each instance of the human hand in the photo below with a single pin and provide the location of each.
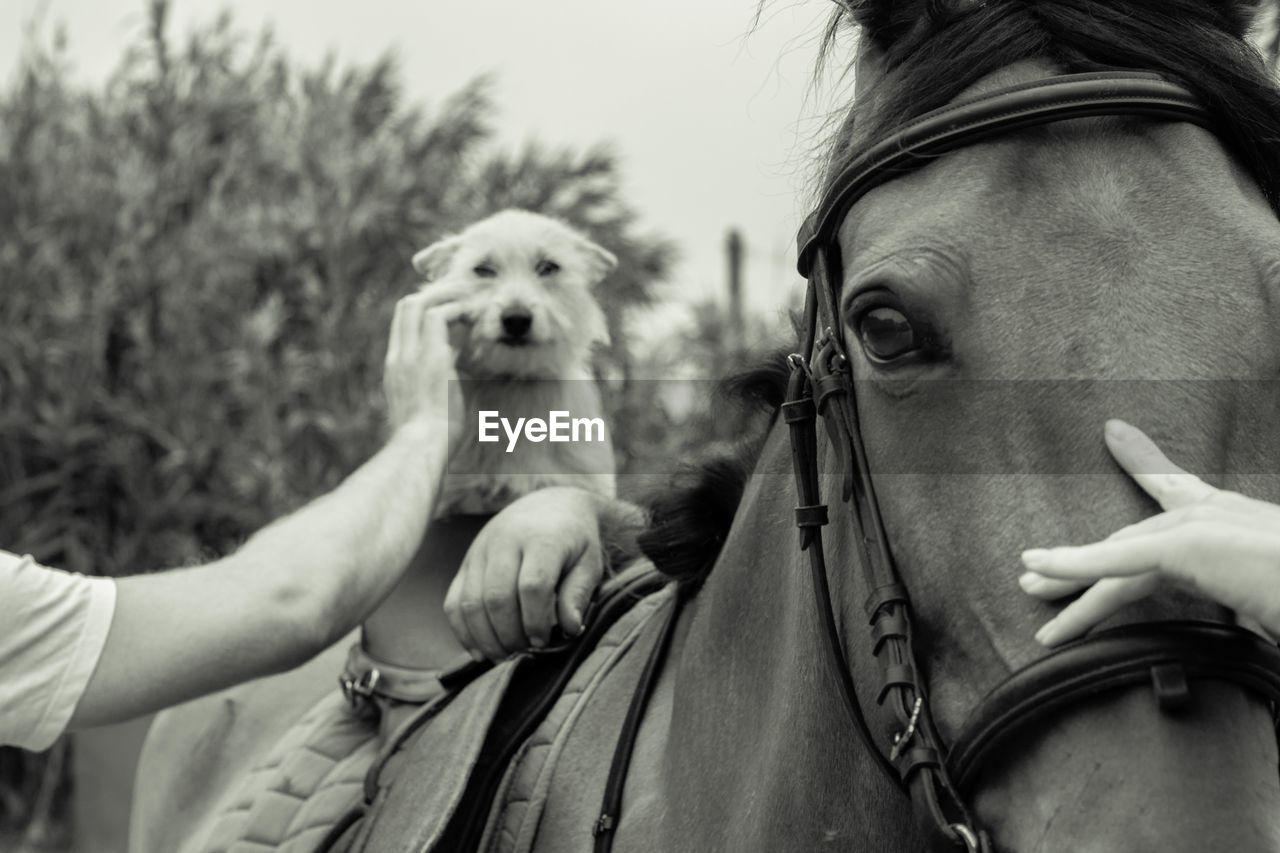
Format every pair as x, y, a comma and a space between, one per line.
536, 564
1220, 544
419, 377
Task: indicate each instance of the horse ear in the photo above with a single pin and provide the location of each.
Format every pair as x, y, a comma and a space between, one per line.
432, 261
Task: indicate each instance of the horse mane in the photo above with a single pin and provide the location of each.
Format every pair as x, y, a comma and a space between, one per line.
690, 518
932, 50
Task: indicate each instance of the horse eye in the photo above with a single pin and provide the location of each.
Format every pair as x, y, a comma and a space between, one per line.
886, 334
547, 268
484, 271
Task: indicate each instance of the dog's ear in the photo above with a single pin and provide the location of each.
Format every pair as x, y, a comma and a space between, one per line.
600, 260
432, 262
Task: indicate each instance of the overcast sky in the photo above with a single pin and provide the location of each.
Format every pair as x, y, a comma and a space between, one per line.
707, 113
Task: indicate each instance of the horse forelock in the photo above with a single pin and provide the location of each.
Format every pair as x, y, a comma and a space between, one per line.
930, 51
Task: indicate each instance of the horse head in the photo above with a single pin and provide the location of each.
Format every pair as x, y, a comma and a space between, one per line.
992, 303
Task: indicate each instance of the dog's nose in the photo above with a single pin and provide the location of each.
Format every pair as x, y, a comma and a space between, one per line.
516, 322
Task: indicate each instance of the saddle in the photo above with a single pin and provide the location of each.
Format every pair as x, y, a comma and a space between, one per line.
490, 738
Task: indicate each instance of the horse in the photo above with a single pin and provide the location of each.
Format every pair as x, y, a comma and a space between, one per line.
1038, 216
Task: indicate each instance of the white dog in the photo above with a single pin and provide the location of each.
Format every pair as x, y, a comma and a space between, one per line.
531, 324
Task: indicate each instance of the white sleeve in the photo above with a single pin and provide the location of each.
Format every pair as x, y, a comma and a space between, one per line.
53, 625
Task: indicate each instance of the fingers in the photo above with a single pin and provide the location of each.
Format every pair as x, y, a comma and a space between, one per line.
536, 588
1215, 543
449, 312
423, 316
453, 609
537, 563
1171, 486
441, 296
576, 589
1128, 556
403, 320
474, 601
1094, 605
502, 600
1047, 588
438, 353
1122, 570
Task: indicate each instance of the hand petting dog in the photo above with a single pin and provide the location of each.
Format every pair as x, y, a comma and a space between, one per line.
419, 347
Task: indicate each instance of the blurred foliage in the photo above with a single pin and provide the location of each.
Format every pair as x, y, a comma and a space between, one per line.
198, 264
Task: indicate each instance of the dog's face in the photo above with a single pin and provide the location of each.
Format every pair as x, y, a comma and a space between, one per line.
524, 281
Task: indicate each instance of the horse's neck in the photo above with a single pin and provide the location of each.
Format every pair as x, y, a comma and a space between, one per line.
759, 752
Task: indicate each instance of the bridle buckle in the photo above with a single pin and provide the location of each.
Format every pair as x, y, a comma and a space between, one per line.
904, 737
968, 836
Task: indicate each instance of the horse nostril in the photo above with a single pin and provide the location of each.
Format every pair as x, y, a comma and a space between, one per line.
516, 323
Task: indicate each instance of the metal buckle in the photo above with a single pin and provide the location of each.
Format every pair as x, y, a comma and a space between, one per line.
900, 741
605, 823
796, 361
968, 836
360, 689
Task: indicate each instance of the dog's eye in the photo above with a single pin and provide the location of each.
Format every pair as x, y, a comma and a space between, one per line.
484, 271
546, 267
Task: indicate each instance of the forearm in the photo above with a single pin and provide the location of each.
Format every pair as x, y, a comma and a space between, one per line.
340, 555
292, 589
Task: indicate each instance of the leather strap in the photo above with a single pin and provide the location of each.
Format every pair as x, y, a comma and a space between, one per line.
611, 808
1103, 93
365, 678
1166, 655
801, 415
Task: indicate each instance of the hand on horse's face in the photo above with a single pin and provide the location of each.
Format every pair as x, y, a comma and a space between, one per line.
1220, 544
535, 565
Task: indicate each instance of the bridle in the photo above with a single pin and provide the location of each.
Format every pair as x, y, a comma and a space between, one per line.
1165, 654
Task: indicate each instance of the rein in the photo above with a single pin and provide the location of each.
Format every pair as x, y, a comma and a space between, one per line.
911, 751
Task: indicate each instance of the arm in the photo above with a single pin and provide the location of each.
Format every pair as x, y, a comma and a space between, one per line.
303, 581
